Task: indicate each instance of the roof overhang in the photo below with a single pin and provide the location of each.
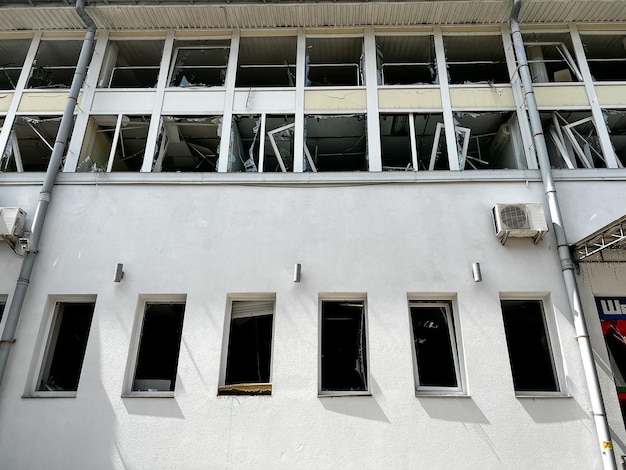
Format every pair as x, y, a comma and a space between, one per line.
172, 14
605, 245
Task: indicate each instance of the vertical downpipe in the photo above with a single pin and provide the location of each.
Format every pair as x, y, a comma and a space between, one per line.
45, 194
567, 264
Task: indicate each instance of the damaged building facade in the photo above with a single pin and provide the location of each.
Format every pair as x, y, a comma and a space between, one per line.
313, 235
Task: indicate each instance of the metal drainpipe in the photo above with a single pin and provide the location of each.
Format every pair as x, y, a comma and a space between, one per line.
567, 264
45, 194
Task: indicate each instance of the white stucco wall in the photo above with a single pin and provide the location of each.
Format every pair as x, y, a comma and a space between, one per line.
207, 241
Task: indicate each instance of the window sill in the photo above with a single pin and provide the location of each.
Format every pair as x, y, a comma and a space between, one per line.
51, 394
156, 394
542, 395
331, 394
245, 389
442, 394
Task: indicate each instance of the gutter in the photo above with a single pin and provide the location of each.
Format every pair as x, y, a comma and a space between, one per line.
45, 194
567, 264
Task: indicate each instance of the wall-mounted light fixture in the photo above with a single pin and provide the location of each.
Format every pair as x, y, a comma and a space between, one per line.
119, 272
297, 270
478, 277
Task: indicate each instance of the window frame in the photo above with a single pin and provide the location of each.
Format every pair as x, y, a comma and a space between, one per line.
554, 345
44, 342
454, 333
135, 342
4, 303
245, 389
347, 297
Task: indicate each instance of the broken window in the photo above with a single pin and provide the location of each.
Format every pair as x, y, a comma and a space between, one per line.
159, 346
616, 122
550, 58
476, 59
12, 56
530, 355
65, 349
267, 62
572, 140
189, 143
30, 143
407, 142
406, 60
114, 143
336, 143
494, 141
261, 143
248, 362
131, 64
434, 346
606, 55
55, 64
344, 351
199, 63
334, 61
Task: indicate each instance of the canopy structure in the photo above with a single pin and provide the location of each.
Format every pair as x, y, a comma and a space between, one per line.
605, 245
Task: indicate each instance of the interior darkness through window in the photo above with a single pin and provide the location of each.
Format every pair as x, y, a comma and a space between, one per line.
433, 346
159, 346
66, 350
2, 304
344, 354
528, 343
249, 349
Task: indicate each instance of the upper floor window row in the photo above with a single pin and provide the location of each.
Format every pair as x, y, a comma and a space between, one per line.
329, 60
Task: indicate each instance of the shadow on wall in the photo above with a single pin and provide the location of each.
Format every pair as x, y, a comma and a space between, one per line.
364, 407
553, 410
453, 409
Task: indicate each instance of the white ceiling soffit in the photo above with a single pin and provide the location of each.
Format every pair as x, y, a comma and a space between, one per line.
307, 14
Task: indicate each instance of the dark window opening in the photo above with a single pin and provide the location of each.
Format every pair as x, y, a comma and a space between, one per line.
131, 64
334, 62
344, 353
12, 56
495, 141
406, 60
606, 55
529, 346
550, 58
435, 349
189, 143
336, 142
616, 122
572, 140
30, 144
267, 62
114, 143
55, 64
247, 142
249, 347
476, 59
199, 63
159, 346
66, 346
2, 305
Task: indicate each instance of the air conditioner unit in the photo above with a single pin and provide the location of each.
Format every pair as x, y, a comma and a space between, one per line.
519, 221
12, 221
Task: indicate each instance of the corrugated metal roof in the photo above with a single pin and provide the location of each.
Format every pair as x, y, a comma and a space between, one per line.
213, 15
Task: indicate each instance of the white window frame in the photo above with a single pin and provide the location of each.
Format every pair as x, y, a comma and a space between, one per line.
245, 297
552, 332
353, 297
46, 338
454, 333
133, 354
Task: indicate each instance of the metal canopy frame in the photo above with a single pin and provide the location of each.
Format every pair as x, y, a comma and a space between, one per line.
612, 236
